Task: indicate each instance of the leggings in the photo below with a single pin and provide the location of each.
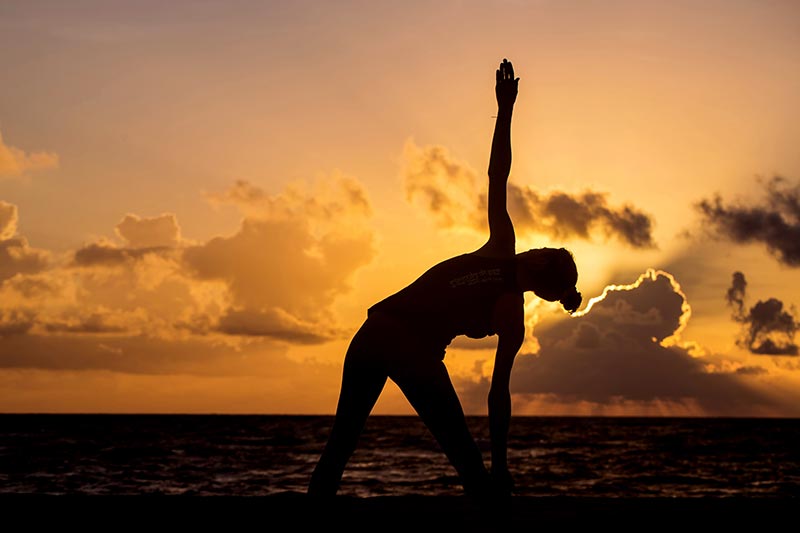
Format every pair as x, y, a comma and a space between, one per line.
385, 347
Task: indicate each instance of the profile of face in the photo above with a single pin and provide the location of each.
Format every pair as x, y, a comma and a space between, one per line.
551, 293
551, 274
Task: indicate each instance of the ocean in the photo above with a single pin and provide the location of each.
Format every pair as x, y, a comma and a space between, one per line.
254, 455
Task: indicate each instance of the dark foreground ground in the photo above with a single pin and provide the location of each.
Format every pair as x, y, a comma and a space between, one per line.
416, 514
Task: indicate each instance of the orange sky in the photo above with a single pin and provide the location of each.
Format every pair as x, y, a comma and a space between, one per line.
198, 202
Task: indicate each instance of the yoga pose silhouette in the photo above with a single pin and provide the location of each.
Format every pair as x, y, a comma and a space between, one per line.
405, 335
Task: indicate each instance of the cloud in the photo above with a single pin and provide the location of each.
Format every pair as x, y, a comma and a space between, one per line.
736, 293
107, 254
773, 222
564, 216
771, 329
146, 297
15, 322
451, 193
768, 328
8, 220
335, 198
160, 231
751, 370
142, 237
276, 324
15, 162
16, 256
293, 255
120, 304
94, 322
624, 349
442, 186
121, 353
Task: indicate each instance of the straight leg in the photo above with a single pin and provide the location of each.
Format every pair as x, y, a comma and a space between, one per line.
431, 393
362, 382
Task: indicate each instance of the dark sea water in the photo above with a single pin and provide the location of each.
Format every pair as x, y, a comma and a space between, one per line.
264, 455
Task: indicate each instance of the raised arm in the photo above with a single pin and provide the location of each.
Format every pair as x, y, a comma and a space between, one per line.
502, 242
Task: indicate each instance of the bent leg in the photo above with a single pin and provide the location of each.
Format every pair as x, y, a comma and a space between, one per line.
432, 395
362, 383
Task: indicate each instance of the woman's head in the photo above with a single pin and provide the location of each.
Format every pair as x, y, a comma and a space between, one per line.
551, 274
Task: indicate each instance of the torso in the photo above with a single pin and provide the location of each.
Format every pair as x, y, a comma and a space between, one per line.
460, 296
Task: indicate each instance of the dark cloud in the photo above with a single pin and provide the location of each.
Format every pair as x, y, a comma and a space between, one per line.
17, 257
94, 323
563, 216
736, 292
276, 325
124, 353
15, 321
100, 254
773, 222
143, 236
751, 370
447, 189
623, 348
768, 327
31, 286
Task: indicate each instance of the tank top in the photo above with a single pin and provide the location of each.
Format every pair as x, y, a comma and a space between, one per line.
454, 297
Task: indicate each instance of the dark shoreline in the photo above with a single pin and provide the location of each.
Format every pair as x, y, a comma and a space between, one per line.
296, 512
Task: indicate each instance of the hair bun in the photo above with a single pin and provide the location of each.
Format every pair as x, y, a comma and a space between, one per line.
571, 300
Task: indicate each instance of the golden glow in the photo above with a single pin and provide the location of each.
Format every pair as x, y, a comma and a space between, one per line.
135, 130
650, 274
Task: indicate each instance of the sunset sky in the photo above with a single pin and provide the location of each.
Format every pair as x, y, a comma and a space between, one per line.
199, 200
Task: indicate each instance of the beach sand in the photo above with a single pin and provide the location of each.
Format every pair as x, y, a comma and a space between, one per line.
417, 514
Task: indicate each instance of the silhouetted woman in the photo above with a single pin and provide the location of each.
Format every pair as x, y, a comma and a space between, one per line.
405, 336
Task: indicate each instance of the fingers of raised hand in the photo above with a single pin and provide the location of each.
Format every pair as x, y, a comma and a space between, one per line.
509, 69
505, 72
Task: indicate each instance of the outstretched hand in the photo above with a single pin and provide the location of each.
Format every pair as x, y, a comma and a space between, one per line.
506, 87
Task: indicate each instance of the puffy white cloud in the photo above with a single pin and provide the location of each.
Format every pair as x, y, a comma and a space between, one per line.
123, 306
153, 232
293, 255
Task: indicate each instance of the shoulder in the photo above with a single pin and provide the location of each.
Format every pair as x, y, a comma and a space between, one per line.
493, 255
497, 249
